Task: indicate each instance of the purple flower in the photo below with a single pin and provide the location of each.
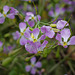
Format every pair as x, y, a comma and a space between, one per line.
61, 24
33, 67
16, 35
65, 35
1, 44
8, 48
58, 11
48, 31
31, 19
5, 14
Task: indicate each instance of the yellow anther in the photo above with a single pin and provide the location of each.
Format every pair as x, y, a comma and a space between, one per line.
32, 65
34, 40
4, 14
33, 18
64, 43
52, 25
29, 1
32, 36
39, 51
22, 33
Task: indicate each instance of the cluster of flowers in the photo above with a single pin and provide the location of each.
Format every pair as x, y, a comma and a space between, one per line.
8, 12
31, 39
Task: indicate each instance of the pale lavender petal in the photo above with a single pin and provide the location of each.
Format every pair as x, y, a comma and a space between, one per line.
65, 34
5, 9
27, 34
22, 26
42, 37
27, 18
33, 60
11, 16
37, 18
13, 11
38, 64
61, 24
1, 15
29, 14
2, 19
45, 29
1, 43
33, 70
72, 41
31, 48
23, 41
44, 44
28, 68
58, 37
16, 35
31, 23
50, 34
36, 32
51, 13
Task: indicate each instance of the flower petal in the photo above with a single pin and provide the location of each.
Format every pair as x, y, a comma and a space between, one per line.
23, 41
2, 19
38, 64
5, 9
33, 70
22, 26
11, 16
28, 68
31, 23
33, 60
61, 24
1, 44
72, 41
65, 34
36, 32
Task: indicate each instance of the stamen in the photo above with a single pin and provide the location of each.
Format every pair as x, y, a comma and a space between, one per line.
65, 43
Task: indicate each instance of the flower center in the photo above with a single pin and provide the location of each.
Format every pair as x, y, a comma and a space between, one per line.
65, 43
4, 14
33, 18
32, 65
29, 1
39, 51
32, 36
22, 33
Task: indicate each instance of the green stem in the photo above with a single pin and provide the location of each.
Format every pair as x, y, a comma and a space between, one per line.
55, 66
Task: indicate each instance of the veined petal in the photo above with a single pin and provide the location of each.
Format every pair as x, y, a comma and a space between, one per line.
65, 34
31, 48
22, 26
42, 37
31, 23
2, 19
28, 68
27, 34
5, 9
44, 44
33, 70
11, 16
72, 41
58, 37
29, 14
38, 64
27, 18
1, 15
61, 24
16, 35
33, 60
50, 34
36, 32
23, 41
